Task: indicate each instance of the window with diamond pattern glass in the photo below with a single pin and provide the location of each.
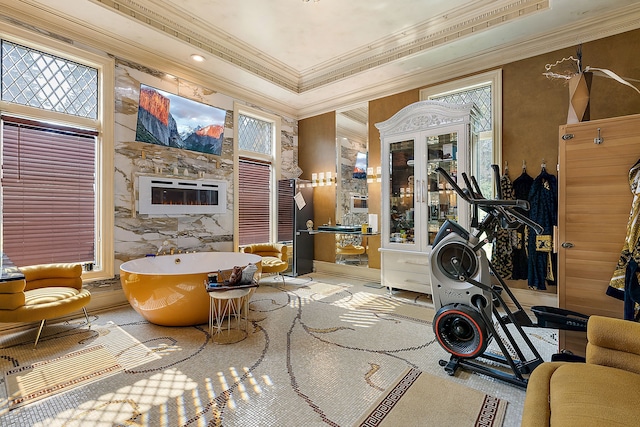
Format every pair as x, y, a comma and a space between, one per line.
483, 151
255, 186
42, 80
480, 96
255, 135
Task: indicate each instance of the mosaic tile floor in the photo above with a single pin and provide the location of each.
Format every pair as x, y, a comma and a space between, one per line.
317, 353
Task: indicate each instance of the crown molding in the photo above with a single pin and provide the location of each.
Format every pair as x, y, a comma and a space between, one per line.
420, 39
625, 19
49, 23
191, 30
31, 16
427, 35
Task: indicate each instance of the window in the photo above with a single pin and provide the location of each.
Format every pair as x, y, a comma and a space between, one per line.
485, 91
56, 152
257, 150
48, 212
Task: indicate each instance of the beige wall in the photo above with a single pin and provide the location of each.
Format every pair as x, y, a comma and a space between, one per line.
318, 135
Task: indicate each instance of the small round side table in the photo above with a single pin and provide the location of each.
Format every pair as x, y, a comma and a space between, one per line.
231, 303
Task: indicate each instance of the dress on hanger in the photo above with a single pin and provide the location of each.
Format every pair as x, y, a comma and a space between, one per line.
521, 187
624, 283
543, 198
502, 254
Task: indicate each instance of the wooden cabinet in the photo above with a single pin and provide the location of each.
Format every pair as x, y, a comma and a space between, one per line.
416, 200
594, 204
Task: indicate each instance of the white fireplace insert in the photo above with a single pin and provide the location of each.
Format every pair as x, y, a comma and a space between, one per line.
174, 196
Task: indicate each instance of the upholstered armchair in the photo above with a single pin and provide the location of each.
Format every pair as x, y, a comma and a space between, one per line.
604, 391
275, 258
349, 246
46, 292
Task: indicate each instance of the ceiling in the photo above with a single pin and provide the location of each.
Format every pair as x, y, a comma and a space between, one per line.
304, 58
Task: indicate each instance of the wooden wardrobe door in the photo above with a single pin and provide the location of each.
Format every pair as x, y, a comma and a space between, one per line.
594, 205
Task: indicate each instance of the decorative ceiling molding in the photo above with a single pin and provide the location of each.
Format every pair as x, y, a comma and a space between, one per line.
32, 15
231, 51
425, 36
359, 115
622, 20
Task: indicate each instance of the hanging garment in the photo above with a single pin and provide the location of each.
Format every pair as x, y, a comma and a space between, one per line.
632, 292
521, 187
501, 255
543, 198
622, 279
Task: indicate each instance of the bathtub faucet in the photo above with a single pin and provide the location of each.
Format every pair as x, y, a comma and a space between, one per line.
164, 244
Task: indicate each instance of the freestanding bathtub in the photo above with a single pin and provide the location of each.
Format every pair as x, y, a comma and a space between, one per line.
169, 290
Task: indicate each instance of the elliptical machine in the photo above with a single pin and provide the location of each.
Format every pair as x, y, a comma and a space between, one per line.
471, 310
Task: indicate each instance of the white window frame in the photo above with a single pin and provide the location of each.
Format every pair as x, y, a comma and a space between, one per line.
104, 125
494, 78
274, 160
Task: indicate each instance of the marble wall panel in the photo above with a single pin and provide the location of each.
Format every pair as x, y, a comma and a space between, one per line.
137, 235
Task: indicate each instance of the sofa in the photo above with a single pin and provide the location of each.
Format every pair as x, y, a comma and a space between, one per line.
47, 291
604, 391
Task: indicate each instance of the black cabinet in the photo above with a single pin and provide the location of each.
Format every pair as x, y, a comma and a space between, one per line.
295, 208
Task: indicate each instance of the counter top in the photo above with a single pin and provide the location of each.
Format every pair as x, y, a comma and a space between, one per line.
337, 231
8, 271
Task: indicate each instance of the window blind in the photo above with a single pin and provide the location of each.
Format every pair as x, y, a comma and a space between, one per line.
254, 205
48, 198
285, 210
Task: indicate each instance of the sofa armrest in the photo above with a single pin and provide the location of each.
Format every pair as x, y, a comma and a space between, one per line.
613, 342
537, 411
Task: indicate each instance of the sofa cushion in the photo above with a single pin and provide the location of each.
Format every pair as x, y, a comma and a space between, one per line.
47, 304
272, 264
592, 395
52, 295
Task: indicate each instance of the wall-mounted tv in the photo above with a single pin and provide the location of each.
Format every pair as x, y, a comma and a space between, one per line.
360, 168
174, 121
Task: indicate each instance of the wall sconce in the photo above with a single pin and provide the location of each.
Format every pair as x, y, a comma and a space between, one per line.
374, 177
321, 179
328, 178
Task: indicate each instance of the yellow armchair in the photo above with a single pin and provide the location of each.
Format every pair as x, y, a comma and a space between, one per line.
46, 292
275, 258
601, 392
349, 246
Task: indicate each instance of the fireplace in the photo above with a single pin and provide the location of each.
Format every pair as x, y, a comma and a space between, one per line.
174, 196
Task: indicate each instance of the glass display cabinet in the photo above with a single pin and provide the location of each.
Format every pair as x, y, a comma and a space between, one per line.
416, 200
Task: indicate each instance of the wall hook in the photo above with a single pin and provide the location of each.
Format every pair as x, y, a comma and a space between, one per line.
599, 139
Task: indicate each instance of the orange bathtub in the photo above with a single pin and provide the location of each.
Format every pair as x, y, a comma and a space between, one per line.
169, 290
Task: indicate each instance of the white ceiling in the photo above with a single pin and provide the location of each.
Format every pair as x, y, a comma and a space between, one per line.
304, 58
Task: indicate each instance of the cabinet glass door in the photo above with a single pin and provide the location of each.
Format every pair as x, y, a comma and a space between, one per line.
401, 192
441, 198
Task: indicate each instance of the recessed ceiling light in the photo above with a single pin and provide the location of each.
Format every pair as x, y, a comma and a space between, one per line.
197, 58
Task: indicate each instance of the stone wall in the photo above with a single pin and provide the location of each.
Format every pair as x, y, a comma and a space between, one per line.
136, 235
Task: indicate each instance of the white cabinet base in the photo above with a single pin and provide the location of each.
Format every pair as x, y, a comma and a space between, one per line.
405, 270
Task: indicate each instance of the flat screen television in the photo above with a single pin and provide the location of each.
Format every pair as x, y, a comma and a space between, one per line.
360, 168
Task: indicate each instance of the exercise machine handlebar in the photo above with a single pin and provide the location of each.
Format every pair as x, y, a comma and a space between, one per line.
501, 209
